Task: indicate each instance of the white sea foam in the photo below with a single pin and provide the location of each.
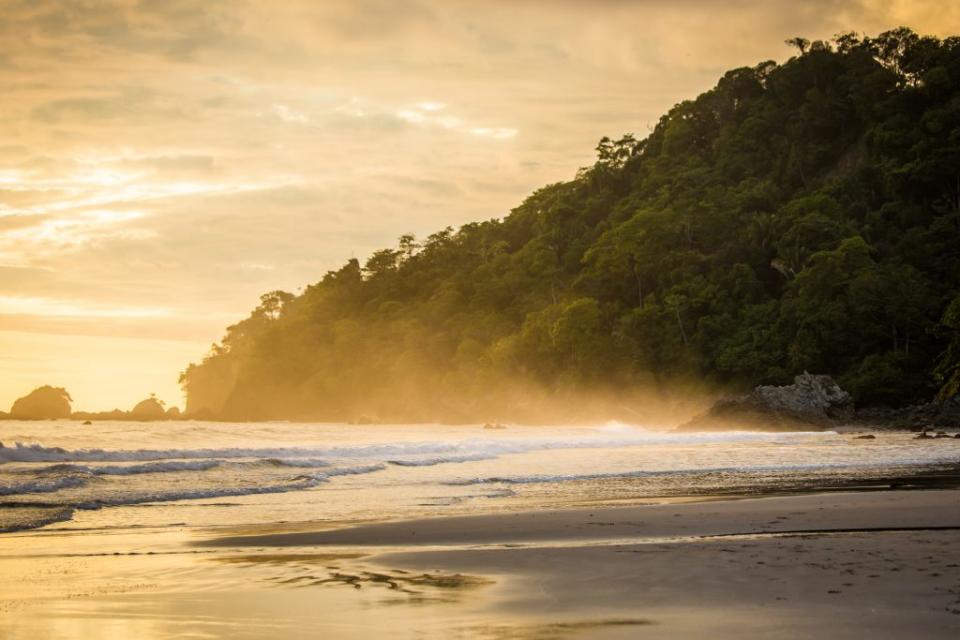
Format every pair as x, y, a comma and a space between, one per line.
296, 463
298, 483
166, 466
700, 471
139, 496
19, 519
487, 447
350, 471
416, 460
433, 461
43, 485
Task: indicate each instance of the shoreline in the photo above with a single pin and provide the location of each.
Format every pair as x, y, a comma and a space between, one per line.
724, 536
920, 509
931, 476
879, 419
857, 565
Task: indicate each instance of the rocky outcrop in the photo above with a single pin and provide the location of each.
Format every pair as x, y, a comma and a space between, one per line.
811, 401
43, 403
149, 409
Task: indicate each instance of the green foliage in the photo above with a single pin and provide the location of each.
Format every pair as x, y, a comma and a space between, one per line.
803, 216
948, 365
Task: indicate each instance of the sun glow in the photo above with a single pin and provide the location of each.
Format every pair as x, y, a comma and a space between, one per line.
36, 306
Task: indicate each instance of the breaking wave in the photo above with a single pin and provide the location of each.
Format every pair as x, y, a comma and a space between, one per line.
482, 448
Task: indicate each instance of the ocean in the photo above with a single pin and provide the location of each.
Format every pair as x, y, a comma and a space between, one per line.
116, 475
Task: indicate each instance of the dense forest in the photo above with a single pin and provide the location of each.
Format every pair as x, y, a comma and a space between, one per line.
802, 216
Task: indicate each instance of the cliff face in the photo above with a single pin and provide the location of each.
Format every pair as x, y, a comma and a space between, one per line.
43, 403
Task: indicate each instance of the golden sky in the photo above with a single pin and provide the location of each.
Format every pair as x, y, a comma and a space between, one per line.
164, 162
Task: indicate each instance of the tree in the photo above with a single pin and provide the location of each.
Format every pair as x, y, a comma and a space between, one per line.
947, 370
800, 44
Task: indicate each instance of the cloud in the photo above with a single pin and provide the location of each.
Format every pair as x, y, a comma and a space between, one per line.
287, 114
431, 114
10, 305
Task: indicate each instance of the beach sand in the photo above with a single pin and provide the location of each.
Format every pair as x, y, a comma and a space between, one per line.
883, 564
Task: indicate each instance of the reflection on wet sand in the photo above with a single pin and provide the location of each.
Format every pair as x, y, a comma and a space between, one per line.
317, 570
881, 564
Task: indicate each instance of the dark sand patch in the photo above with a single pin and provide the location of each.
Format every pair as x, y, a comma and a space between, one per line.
848, 511
286, 558
551, 630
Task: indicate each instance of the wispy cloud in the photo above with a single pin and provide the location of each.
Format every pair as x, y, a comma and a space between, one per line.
434, 114
36, 306
287, 114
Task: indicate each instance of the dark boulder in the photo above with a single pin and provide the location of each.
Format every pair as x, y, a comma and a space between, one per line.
811, 401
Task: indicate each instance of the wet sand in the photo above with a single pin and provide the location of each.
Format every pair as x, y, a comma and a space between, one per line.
808, 513
882, 564
857, 565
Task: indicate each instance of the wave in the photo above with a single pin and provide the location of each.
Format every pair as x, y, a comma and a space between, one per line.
296, 463
132, 469
697, 471
167, 466
350, 471
34, 519
43, 485
430, 462
20, 452
487, 447
298, 483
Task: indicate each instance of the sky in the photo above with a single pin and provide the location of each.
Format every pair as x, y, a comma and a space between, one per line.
165, 162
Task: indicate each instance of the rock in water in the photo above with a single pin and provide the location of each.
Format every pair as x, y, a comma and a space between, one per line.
811, 401
43, 403
149, 409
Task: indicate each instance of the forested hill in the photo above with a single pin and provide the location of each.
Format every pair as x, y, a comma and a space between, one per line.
796, 217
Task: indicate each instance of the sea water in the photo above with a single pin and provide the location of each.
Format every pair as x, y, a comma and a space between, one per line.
62, 475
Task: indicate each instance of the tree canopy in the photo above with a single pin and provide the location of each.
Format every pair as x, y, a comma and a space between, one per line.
797, 216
